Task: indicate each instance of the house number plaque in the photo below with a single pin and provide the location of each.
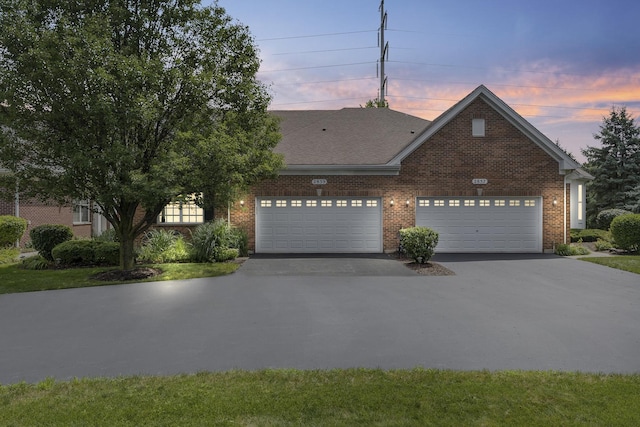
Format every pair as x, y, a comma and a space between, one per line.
318, 181
479, 181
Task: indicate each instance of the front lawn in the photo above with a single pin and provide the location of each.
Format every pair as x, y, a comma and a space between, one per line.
621, 262
15, 279
350, 397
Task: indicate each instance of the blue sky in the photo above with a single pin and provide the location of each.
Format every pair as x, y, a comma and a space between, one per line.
561, 64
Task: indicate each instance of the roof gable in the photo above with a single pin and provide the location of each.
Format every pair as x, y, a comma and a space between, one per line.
564, 160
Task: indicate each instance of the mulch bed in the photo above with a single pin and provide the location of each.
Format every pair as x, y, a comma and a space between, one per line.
428, 269
137, 273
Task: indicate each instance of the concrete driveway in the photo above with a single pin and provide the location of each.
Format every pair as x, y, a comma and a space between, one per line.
496, 313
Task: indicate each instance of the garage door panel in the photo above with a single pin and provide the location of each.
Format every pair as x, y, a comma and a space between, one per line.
484, 224
318, 225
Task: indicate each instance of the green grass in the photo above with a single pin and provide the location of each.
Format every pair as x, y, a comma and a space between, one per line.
15, 279
621, 262
351, 397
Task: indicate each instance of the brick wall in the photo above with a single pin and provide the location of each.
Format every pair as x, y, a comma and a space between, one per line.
443, 166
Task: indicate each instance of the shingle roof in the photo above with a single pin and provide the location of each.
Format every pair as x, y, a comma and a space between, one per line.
350, 136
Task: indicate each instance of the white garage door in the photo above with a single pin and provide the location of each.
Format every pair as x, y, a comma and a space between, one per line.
483, 224
318, 225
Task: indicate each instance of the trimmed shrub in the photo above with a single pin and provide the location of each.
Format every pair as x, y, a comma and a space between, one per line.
625, 230
604, 218
47, 236
419, 243
589, 235
161, 246
74, 252
86, 252
107, 253
211, 240
11, 229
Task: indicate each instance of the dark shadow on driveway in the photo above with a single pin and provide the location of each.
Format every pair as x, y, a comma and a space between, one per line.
447, 257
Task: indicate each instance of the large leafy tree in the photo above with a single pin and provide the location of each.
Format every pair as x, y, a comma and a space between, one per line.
615, 165
131, 103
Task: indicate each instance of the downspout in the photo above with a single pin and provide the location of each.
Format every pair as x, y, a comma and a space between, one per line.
564, 210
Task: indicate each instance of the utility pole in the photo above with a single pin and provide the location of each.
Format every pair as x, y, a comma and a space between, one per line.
384, 51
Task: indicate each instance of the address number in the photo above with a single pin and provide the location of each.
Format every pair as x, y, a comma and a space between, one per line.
318, 181
479, 181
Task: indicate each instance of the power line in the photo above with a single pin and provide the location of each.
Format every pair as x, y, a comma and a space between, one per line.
318, 66
324, 51
316, 35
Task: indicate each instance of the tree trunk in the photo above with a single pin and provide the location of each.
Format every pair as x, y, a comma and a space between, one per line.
126, 253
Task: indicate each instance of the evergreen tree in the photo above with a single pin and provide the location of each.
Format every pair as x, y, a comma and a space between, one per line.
615, 165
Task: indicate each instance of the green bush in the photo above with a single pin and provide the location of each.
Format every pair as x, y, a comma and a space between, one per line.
74, 252
241, 241
419, 243
604, 218
603, 245
211, 240
107, 236
589, 235
86, 252
9, 255
226, 254
48, 236
11, 229
625, 230
35, 263
160, 246
107, 253
571, 250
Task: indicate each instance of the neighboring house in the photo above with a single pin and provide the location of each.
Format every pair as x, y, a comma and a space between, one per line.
479, 174
79, 217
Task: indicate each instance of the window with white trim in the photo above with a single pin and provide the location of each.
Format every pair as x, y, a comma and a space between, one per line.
485, 203
81, 211
469, 203
356, 203
499, 203
372, 203
514, 202
580, 201
529, 203
265, 203
296, 203
341, 203
311, 203
182, 212
454, 203
423, 203
478, 127
439, 203
326, 203
281, 203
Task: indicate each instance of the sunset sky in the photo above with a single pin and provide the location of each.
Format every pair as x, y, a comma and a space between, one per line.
561, 64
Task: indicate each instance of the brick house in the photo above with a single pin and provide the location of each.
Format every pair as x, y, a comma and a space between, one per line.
79, 216
479, 174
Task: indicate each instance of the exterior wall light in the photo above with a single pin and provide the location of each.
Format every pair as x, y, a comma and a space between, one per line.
391, 202
242, 203
555, 201
408, 202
